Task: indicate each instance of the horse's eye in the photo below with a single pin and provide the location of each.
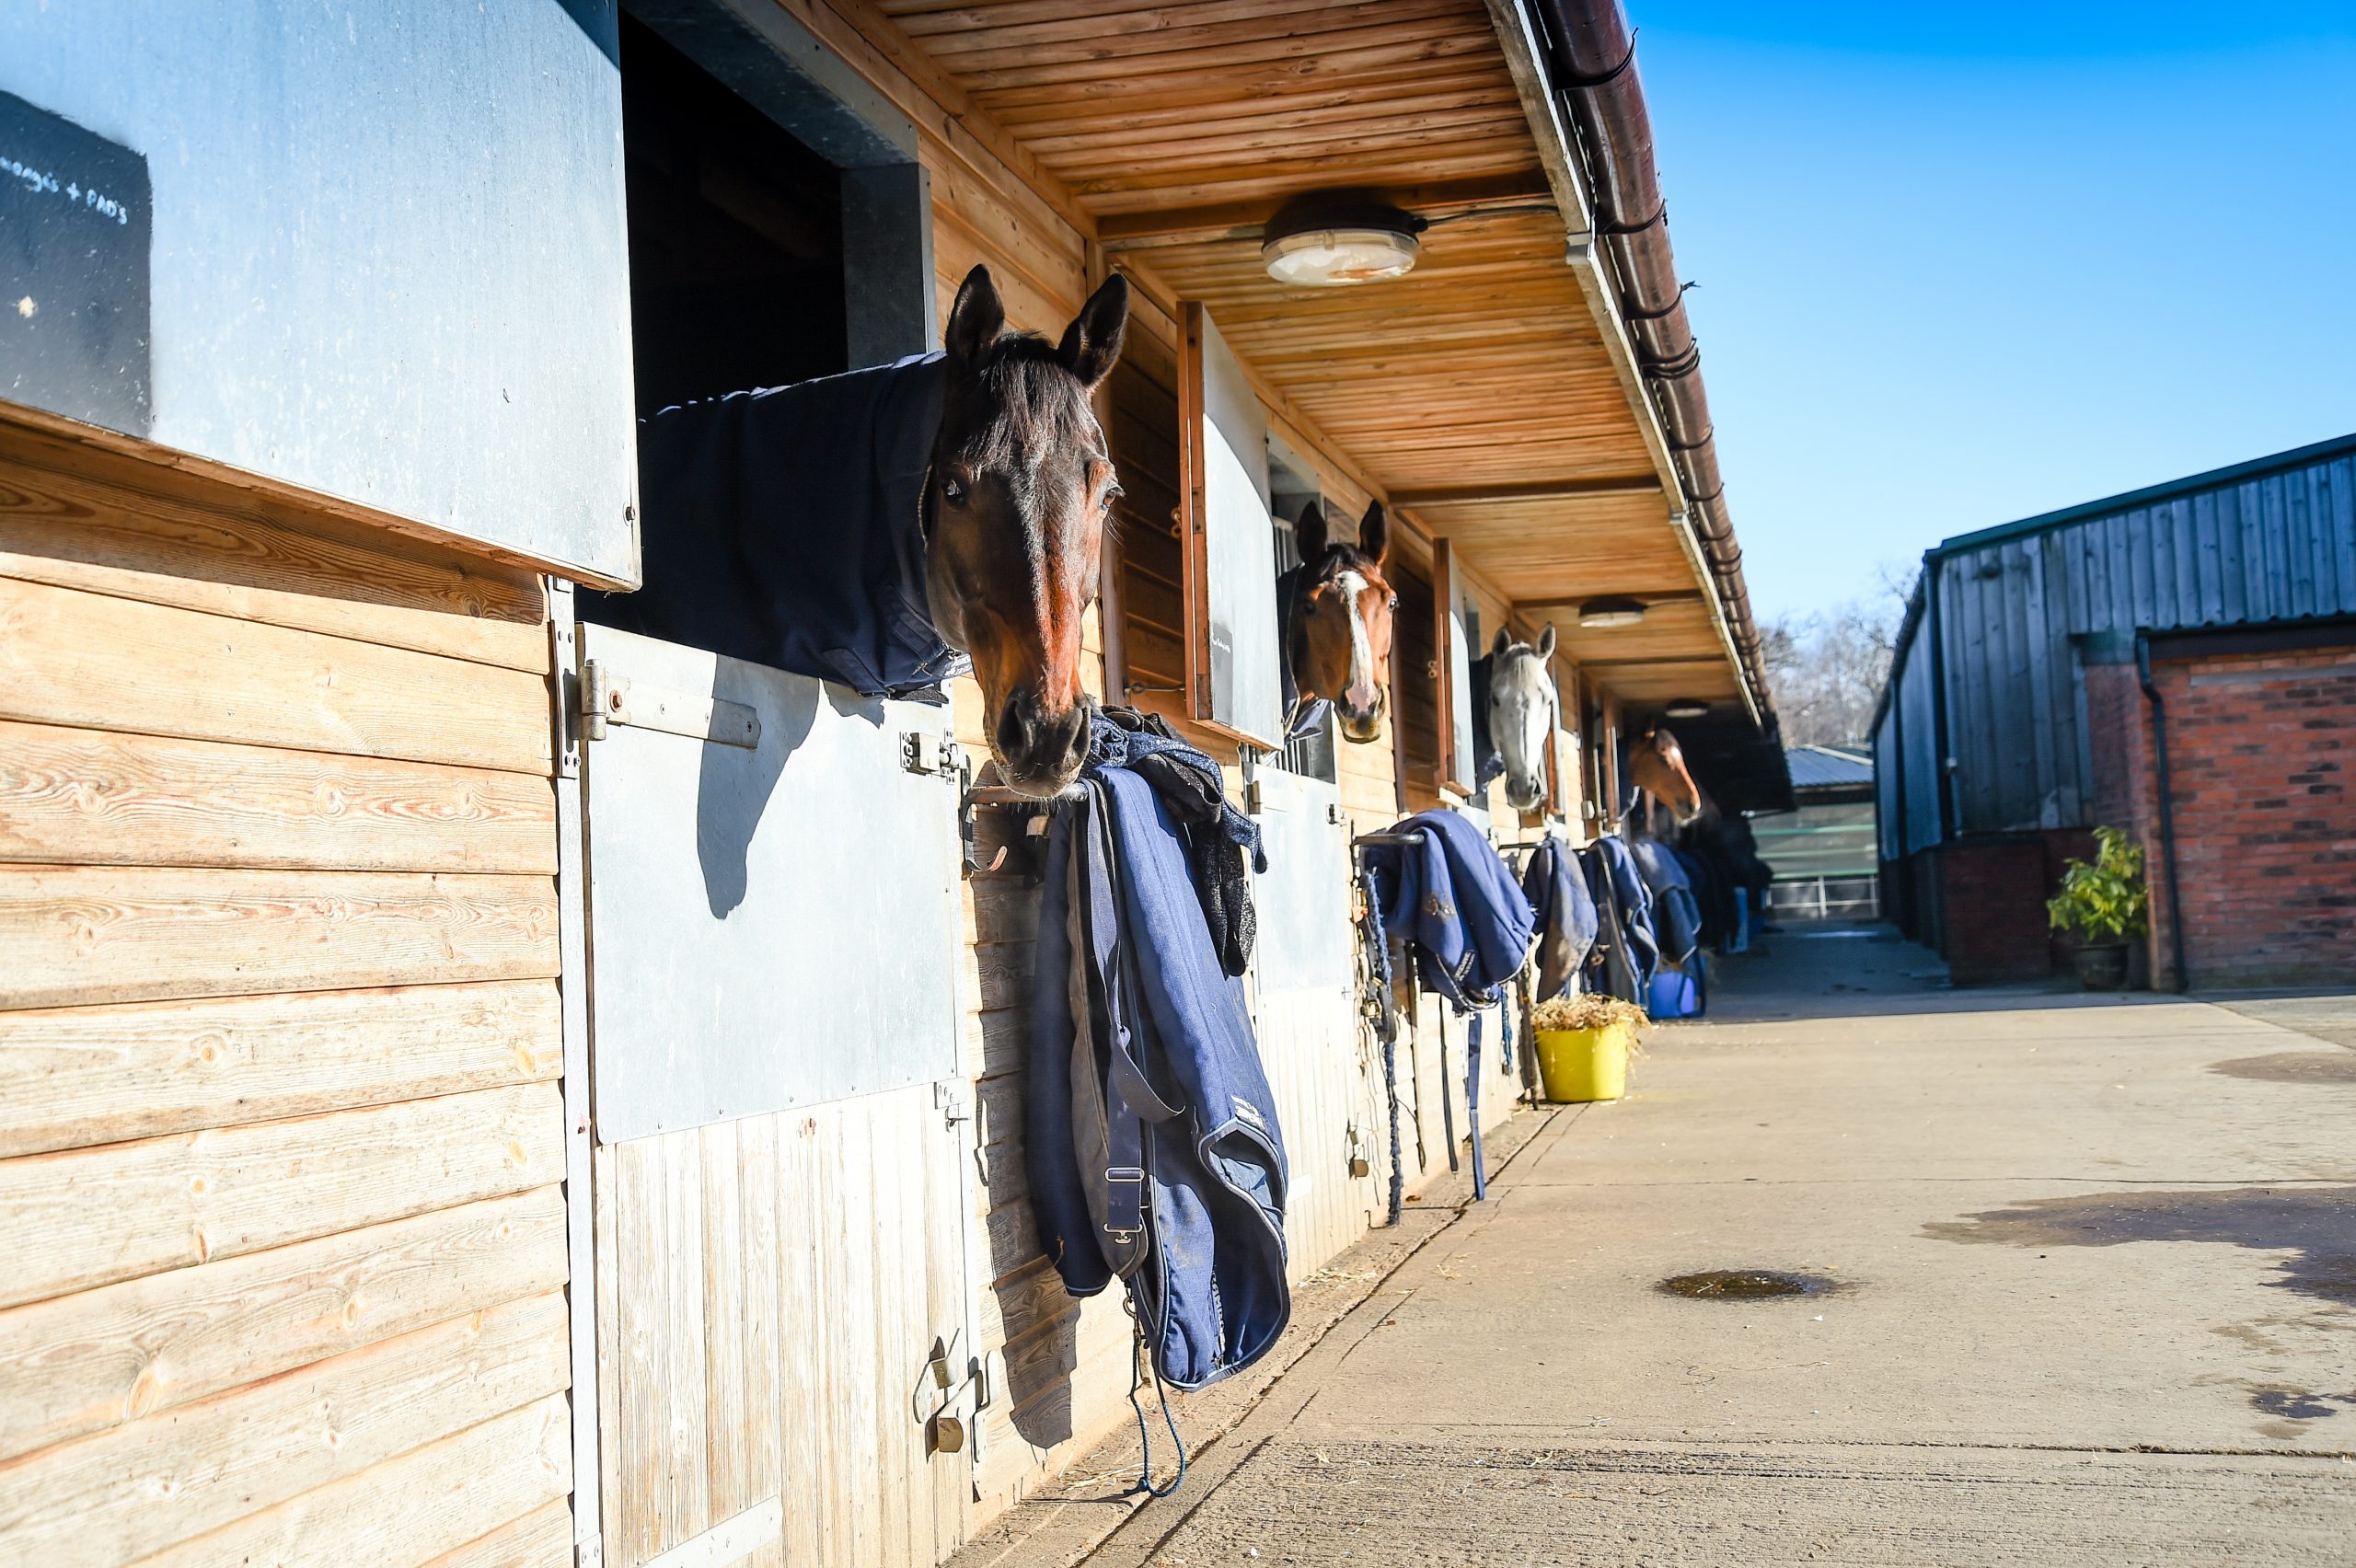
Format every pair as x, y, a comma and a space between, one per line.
1111, 494
1392, 602
952, 491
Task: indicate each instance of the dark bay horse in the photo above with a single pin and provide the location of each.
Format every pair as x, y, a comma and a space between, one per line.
864, 528
1338, 621
1014, 514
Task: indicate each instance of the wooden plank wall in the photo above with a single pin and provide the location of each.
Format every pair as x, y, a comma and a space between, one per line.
281, 1136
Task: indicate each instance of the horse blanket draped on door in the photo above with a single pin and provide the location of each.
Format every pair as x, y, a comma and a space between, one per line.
781, 526
1152, 1142
1566, 918
1453, 900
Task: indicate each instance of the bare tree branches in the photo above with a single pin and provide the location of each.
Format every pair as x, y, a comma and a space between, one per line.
1826, 670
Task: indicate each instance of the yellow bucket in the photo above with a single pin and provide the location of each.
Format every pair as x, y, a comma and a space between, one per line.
1584, 1063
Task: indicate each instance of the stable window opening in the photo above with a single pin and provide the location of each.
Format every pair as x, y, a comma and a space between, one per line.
1293, 486
778, 235
735, 237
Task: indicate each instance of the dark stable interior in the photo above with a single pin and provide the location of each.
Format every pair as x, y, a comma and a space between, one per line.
1414, 685
735, 237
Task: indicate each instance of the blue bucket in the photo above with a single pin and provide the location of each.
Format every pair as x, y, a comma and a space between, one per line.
1672, 994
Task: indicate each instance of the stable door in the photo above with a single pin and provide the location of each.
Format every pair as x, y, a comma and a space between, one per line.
785, 1318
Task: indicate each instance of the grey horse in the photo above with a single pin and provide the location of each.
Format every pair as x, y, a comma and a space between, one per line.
1523, 712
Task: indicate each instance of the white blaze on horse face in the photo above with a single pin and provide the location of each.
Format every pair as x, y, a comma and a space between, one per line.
1361, 696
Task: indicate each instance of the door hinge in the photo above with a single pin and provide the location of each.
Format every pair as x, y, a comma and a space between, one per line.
607, 699
565, 736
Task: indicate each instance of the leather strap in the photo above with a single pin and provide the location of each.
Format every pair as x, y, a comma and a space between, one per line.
1130, 1098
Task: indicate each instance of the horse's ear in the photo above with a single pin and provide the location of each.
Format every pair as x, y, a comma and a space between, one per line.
1093, 341
1504, 641
975, 321
1546, 642
1374, 533
1310, 534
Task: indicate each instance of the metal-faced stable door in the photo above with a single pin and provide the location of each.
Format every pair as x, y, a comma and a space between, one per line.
785, 1316
1305, 1011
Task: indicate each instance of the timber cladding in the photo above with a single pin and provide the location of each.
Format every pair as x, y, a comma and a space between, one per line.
281, 1135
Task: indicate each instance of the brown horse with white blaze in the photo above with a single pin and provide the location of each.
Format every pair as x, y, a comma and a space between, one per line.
1015, 509
1338, 621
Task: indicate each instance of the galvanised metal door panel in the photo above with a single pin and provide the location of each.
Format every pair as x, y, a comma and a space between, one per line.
786, 1339
1305, 1009
770, 927
361, 212
1238, 552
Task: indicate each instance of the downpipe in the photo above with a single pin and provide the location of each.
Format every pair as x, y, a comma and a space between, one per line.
2167, 810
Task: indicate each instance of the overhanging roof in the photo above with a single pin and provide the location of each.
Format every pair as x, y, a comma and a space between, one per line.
1482, 392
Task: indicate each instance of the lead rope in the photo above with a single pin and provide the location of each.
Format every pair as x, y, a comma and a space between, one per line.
1140, 1358
1386, 1026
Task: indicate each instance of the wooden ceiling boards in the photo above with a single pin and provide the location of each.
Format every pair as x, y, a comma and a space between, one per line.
1477, 386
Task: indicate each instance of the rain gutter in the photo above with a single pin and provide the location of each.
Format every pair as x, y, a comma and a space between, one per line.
1526, 59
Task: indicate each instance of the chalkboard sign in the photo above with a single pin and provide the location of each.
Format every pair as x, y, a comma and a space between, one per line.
75, 212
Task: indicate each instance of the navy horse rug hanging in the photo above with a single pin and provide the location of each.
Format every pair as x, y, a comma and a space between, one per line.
1155, 1157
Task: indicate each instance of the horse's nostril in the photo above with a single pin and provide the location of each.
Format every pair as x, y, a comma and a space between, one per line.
1013, 729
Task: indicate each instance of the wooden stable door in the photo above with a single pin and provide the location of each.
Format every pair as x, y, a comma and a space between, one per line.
785, 1318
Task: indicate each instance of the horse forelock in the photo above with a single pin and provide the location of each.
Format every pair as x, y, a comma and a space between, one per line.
1024, 420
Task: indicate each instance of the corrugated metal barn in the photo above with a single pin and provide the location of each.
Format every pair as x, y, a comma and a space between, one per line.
1997, 730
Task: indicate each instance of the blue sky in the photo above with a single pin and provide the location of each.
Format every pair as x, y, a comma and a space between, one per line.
1963, 263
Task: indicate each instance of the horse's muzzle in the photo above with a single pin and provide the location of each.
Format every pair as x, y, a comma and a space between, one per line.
1361, 725
1040, 753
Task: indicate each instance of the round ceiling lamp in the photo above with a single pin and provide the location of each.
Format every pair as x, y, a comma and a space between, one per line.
1326, 243
1611, 612
1686, 708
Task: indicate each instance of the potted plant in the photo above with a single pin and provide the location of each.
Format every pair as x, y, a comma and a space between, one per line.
1584, 1042
2103, 904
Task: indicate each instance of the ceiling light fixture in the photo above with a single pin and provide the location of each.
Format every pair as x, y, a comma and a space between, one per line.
1611, 612
1686, 708
1332, 242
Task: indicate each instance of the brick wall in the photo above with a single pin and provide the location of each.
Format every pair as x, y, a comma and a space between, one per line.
1991, 896
2265, 829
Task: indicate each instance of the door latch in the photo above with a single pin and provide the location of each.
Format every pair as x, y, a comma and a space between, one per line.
948, 1099
922, 752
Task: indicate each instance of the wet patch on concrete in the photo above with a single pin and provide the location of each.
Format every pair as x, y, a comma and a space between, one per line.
2317, 1224
2293, 1067
1746, 1284
2293, 1404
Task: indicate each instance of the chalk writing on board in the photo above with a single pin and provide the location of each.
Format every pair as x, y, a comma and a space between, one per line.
75, 209
45, 182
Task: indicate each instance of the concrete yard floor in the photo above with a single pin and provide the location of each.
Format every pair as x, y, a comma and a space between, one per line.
2089, 1270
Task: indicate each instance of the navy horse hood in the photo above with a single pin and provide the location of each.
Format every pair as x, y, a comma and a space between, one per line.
781, 526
